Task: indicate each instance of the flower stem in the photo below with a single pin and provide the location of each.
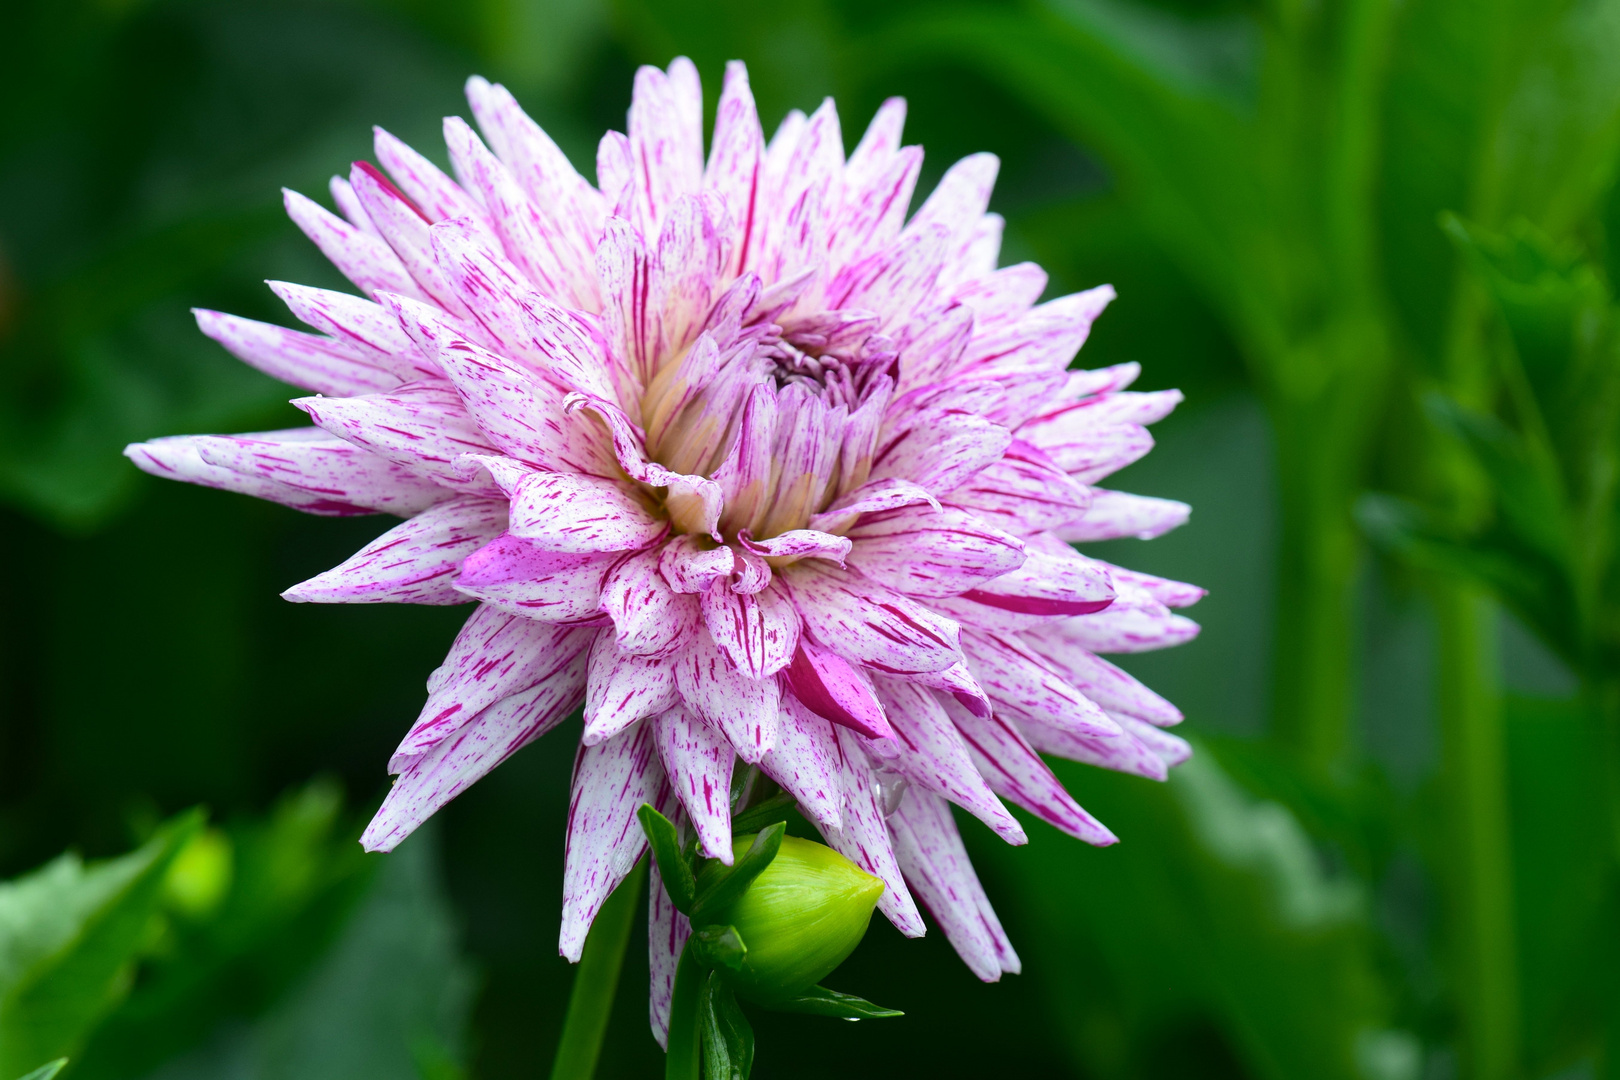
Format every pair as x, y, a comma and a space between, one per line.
596, 981
1321, 447
1478, 869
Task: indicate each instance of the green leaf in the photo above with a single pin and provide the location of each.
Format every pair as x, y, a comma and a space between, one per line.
294, 880
673, 866
772, 810
728, 884
1527, 486
47, 1071
69, 936
1179, 146
719, 946
391, 985
1537, 589
728, 1039
1556, 145
820, 1001
1217, 907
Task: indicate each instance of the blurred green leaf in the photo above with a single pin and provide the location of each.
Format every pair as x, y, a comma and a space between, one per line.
1555, 149
1124, 87
47, 1071
388, 998
295, 879
1215, 908
69, 936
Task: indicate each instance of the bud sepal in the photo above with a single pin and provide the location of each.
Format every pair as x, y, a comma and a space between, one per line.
766, 929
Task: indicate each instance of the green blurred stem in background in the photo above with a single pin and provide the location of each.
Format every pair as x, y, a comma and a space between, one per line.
1321, 448
596, 981
1478, 861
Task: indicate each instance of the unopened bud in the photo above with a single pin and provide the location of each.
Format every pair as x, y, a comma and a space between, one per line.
798, 919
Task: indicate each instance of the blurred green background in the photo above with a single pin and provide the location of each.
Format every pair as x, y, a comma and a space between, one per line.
1394, 856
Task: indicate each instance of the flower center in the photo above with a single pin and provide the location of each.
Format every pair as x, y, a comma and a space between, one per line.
784, 418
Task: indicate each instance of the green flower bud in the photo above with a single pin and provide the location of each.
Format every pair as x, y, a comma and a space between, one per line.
798, 919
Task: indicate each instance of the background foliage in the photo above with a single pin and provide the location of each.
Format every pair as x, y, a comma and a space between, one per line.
1371, 240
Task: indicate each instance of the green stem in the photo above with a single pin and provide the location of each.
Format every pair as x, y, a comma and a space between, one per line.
596, 981
1321, 446
685, 1039
1478, 869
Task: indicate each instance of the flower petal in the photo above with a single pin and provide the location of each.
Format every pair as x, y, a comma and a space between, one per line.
736, 161
1122, 753
494, 656
869, 623
650, 619
757, 631
863, 836
667, 931
1101, 681
423, 425
826, 684
512, 575
931, 753
744, 708
522, 413
364, 328
1023, 492
1030, 685
415, 562
563, 512
456, 763
927, 552
1114, 514
698, 761
938, 450
1015, 771
327, 468
611, 782
624, 688
362, 257
937, 868
307, 360
805, 762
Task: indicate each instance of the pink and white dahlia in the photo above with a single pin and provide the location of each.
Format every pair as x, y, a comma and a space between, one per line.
742, 460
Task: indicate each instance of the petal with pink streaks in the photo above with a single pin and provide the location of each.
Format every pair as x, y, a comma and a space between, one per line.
513, 575
863, 836
744, 708
315, 363
432, 779
805, 762
922, 551
415, 562
757, 631
650, 619
931, 753
935, 862
698, 760
624, 688
611, 782
1114, 514
1016, 772
868, 622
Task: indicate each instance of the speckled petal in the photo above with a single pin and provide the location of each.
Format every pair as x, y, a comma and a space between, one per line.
936, 866
415, 562
611, 781
698, 760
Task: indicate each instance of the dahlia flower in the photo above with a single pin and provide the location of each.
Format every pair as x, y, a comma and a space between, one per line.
738, 457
